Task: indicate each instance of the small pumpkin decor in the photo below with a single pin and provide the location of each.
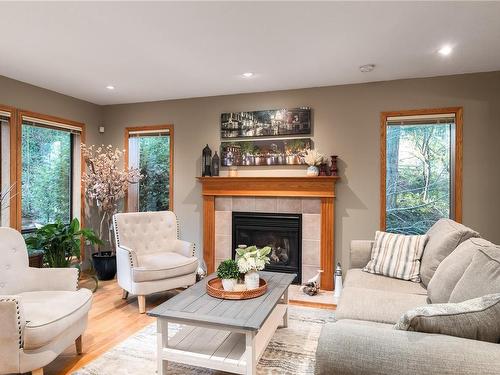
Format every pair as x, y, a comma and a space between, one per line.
229, 273
250, 260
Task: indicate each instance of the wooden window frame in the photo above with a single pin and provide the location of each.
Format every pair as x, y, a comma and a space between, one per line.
458, 112
13, 161
170, 128
18, 161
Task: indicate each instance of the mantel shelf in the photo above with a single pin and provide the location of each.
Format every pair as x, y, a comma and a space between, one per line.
301, 186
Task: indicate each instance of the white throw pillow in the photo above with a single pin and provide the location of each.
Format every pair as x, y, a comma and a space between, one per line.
397, 255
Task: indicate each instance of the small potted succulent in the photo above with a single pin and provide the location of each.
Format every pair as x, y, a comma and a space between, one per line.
250, 260
229, 273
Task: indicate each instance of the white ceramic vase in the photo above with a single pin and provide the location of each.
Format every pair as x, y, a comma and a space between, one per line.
252, 280
228, 284
312, 170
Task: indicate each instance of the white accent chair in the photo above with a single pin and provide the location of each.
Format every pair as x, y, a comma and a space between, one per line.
42, 312
149, 255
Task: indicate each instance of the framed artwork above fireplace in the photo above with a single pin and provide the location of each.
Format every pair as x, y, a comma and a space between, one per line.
265, 152
267, 123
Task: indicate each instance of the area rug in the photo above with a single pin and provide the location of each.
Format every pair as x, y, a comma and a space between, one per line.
290, 351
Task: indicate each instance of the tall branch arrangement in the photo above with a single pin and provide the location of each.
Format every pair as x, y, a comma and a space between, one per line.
105, 181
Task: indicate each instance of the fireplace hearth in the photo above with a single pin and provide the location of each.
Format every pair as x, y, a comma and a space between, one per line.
282, 232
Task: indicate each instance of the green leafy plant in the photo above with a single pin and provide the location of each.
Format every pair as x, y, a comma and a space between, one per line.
61, 242
251, 258
228, 269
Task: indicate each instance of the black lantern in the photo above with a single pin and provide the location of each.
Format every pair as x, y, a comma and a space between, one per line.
215, 164
206, 167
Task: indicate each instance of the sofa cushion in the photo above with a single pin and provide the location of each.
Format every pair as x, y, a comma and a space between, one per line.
164, 265
481, 277
376, 305
444, 236
349, 348
359, 279
397, 255
49, 313
452, 268
476, 319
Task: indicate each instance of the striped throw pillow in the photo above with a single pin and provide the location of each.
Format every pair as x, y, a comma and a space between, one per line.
397, 255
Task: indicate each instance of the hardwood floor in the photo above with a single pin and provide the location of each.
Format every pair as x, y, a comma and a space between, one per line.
112, 320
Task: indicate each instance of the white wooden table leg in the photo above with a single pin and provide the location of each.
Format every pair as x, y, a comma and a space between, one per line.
285, 302
251, 354
162, 341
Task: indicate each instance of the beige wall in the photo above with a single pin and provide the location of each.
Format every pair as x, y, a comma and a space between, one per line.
346, 122
32, 98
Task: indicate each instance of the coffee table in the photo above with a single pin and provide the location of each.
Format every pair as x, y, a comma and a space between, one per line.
224, 335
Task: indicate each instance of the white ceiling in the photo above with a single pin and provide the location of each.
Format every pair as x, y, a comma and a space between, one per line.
154, 51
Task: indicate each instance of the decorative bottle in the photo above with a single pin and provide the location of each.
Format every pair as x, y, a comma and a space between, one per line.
338, 281
333, 168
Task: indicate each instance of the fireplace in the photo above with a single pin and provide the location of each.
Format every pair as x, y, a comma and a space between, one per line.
283, 232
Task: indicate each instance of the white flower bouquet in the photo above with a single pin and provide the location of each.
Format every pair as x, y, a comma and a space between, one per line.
313, 158
252, 258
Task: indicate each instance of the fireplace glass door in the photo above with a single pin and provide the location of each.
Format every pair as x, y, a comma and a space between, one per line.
282, 232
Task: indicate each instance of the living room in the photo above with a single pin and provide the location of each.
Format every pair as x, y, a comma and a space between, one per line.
249, 187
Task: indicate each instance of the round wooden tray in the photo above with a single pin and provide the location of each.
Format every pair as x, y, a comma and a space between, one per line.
215, 289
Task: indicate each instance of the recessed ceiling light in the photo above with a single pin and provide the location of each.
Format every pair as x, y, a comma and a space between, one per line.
445, 50
247, 74
367, 68
110, 87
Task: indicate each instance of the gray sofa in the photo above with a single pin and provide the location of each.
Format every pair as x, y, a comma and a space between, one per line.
364, 341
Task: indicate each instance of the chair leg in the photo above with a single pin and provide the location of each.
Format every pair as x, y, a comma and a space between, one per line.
124, 294
38, 371
142, 304
78, 345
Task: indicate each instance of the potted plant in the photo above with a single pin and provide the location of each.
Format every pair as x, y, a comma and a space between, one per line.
60, 242
229, 273
250, 260
106, 183
313, 158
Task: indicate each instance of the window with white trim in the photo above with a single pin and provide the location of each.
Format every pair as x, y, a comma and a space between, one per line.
50, 172
150, 151
420, 170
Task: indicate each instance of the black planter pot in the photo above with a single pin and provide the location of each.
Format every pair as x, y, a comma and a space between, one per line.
104, 265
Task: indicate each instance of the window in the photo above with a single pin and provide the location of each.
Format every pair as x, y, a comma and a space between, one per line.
50, 172
6, 188
151, 150
421, 169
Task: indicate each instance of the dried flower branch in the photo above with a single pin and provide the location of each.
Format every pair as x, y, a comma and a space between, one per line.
105, 181
6, 196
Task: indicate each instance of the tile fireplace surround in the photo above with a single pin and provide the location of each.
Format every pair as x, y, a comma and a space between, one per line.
313, 197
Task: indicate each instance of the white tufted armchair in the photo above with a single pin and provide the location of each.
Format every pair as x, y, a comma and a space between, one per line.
42, 312
150, 257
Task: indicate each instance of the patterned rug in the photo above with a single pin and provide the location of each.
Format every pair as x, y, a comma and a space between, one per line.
290, 351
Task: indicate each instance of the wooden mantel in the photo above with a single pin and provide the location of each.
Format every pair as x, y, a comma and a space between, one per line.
304, 187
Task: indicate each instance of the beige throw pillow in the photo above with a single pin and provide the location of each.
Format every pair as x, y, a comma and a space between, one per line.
444, 237
476, 319
396, 255
452, 268
481, 277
